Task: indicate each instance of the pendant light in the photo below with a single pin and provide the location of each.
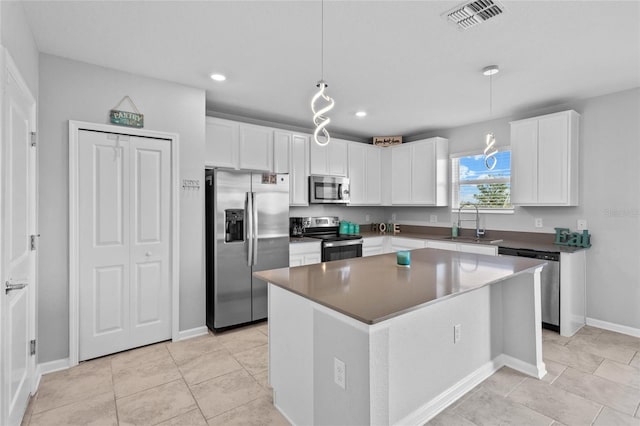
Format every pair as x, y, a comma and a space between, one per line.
490, 150
319, 119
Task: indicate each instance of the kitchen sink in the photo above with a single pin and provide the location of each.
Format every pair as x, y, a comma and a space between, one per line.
471, 240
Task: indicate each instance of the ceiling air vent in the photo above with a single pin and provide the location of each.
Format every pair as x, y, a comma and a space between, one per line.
470, 14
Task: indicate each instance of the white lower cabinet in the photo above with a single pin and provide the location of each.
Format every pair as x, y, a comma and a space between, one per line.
372, 246
463, 247
304, 253
442, 245
401, 243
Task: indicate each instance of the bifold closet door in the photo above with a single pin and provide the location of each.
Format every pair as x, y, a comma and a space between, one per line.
124, 242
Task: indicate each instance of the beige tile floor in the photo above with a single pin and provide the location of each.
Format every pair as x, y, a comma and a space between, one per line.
594, 378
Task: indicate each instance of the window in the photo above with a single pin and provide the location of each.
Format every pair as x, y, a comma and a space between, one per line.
472, 182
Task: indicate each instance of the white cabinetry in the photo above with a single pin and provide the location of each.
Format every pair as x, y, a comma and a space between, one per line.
478, 249
234, 145
442, 245
373, 245
419, 173
330, 159
400, 243
291, 155
464, 247
221, 146
365, 174
304, 253
255, 147
544, 160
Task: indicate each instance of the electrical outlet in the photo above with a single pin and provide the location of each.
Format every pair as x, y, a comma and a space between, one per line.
582, 224
433, 218
538, 222
367, 218
393, 216
457, 329
339, 373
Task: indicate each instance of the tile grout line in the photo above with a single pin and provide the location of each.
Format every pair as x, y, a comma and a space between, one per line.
195, 400
598, 414
113, 388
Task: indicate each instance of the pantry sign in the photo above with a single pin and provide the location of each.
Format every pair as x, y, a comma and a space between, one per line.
126, 118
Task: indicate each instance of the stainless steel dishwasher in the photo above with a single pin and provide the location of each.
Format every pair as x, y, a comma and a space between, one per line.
549, 283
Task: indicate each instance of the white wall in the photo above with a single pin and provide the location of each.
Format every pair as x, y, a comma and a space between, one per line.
355, 214
18, 40
71, 90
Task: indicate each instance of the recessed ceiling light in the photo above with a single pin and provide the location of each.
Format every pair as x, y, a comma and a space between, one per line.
361, 114
490, 70
218, 77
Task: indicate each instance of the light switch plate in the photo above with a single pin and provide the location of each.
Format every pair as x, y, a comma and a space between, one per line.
393, 216
433, 218
582, 224
538, 222
367, 218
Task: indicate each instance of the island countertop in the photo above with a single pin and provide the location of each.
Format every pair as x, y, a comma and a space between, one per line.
373, 289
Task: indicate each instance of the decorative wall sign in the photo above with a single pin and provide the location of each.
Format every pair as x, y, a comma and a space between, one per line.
564, 237
387, 140
126, 118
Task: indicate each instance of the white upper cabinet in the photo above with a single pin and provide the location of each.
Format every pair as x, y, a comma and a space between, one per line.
291, 155
281, 151
365, 176
234, 145
256, 147
330, 159
544, 157
299, 170
419, 173
221, 147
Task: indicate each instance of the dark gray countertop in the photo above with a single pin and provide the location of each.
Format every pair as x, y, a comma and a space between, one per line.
373, 289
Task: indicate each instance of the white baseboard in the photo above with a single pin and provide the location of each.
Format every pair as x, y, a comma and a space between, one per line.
449, 396
50, 367
538, 371
192, 332
631, 331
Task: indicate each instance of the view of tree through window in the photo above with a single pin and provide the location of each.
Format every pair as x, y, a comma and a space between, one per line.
474, 183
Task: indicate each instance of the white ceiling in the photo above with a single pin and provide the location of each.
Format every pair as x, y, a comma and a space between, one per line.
399, 60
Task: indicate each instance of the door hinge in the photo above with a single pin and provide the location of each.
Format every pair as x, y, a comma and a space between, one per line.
32, 346
34, 241
33, 138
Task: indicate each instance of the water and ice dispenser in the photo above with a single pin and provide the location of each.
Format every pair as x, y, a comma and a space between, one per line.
234, 225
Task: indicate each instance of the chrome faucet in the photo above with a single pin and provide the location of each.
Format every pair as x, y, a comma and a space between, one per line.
479, 232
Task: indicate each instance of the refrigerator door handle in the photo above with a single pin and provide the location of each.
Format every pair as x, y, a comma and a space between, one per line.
254, 222
248, 219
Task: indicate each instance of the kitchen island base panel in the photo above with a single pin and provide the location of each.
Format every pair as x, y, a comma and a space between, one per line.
404, 370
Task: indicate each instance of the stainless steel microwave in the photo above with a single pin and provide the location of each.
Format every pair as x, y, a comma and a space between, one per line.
328, 189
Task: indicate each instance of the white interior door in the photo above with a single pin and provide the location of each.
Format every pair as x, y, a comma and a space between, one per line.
18, 260
124, 203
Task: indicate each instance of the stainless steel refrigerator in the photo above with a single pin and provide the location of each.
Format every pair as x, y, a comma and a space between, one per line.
247, 227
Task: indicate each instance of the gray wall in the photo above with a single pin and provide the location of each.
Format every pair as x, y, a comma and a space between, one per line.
71, 90
18, 40
609, 199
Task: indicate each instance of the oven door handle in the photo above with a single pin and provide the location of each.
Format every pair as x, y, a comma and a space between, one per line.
342, 243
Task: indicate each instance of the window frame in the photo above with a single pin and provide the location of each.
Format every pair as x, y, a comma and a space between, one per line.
455, 182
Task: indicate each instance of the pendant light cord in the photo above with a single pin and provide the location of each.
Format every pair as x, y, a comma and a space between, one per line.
490, 96
322, 43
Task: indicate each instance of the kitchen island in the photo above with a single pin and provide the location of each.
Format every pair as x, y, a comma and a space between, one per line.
365, 341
